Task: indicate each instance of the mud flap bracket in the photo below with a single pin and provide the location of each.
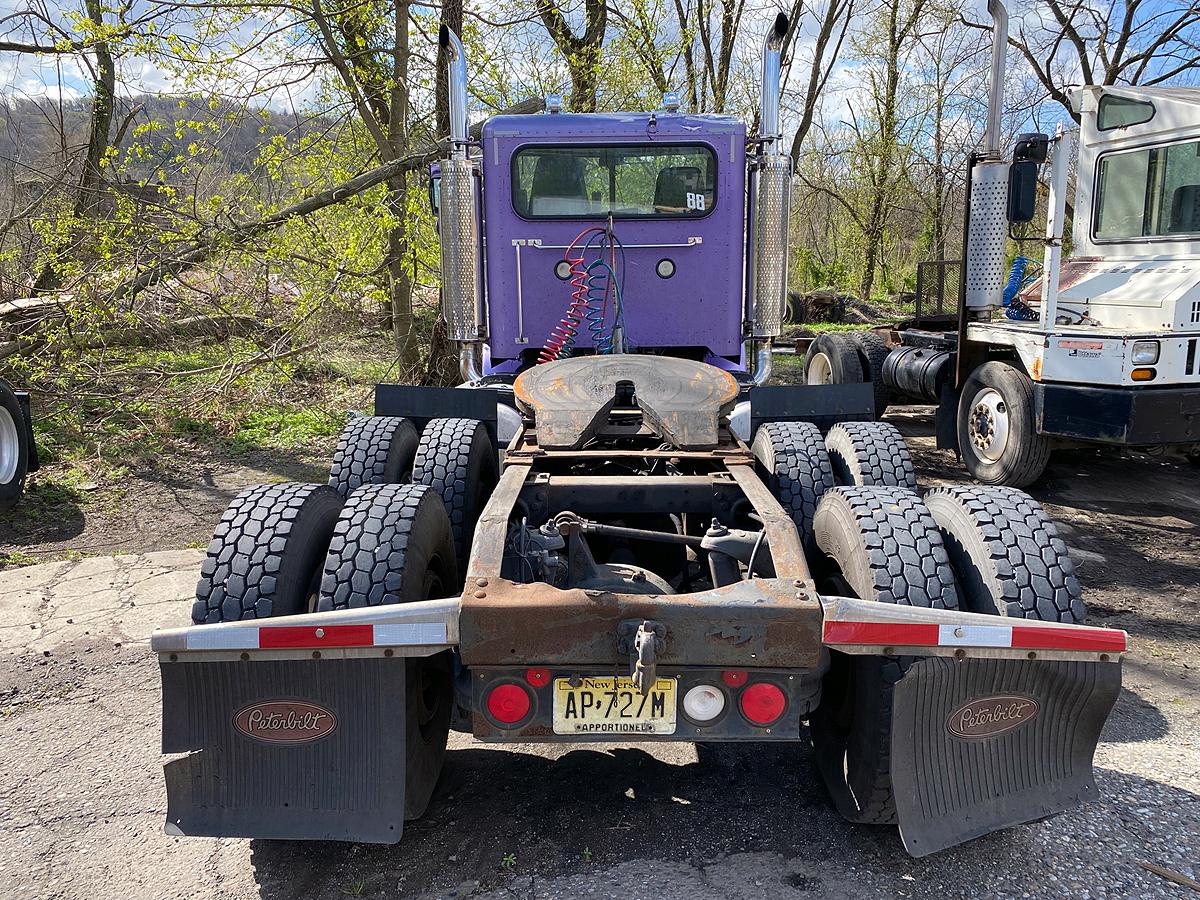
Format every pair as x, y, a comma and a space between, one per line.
982, 744
290, 749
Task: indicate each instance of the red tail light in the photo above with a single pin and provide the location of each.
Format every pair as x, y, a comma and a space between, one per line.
508, 703
537, 676
762, 703
734, 677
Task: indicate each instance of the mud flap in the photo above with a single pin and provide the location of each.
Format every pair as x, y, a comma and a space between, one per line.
983, 744
288, 749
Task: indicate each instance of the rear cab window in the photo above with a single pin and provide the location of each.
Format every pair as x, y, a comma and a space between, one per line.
628, 181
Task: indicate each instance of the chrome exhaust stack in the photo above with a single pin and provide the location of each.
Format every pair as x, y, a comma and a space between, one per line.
772, 192
987, 232
458, 224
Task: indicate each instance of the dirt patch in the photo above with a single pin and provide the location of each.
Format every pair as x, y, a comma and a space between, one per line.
174, 505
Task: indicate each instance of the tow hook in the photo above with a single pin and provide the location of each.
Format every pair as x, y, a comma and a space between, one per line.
643, 641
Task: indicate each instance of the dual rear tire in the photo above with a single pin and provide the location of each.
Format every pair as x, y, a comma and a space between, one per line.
361, 541
980, 549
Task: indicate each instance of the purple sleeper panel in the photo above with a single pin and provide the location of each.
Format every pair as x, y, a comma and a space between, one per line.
699, 306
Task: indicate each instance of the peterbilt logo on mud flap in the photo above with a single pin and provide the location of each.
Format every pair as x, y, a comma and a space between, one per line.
990, 716
285, 721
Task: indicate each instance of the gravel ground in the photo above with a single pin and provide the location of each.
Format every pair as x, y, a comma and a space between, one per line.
81, 796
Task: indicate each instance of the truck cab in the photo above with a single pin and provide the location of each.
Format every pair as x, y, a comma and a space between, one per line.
1128, 300
669, 187
1101, 347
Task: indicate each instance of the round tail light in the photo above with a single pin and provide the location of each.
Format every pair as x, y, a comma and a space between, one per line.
735, 677
508, 704
763, 703
703, 703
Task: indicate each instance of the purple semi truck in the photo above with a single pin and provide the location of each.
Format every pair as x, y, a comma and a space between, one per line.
666, 548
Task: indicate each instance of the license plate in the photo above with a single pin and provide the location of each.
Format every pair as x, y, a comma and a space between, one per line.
613, 706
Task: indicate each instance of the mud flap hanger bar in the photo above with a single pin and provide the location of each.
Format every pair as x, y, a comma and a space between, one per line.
852, 626
422, 628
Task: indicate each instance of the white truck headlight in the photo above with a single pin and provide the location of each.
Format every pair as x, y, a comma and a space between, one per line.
1145, 353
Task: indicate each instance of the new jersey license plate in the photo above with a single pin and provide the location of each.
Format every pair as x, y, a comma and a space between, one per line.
613, 706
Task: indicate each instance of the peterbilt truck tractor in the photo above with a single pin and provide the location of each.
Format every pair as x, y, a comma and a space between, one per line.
616, 530
1097, 350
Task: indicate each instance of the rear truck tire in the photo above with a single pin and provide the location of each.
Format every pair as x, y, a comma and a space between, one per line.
870, 453
392, 544
793, 462
266, 553
873, 350
833, 359
373, 450
15, 449
887, 547
1007, 554
997, 434
455, 457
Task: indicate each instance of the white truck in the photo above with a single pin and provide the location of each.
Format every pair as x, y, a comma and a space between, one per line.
1105, 347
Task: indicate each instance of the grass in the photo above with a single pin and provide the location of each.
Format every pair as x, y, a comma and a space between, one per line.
15, 558
837, 327
284, 428
787, 368
104, 418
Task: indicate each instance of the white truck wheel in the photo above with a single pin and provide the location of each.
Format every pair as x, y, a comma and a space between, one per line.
997, 435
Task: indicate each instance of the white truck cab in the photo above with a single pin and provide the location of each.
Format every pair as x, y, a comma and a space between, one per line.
1106, 346
1127, 310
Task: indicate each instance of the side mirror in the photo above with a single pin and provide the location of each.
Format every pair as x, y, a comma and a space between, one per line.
435, 184
1030, 151
1022, 191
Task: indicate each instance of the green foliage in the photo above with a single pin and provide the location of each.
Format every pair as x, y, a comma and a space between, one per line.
280, 429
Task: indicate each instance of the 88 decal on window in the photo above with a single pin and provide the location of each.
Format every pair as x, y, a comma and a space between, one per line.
695, 201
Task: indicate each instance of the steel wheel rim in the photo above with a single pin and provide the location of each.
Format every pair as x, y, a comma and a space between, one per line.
988, 424
10, 447
820, 370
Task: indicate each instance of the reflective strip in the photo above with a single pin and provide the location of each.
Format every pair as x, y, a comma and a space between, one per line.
904, 633
411, 633
1097, 640
975, 635
285, 637
1020, 637
243, 637
309, 637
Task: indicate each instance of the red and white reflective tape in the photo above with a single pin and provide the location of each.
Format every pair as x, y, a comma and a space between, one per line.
1016, 637
309, 637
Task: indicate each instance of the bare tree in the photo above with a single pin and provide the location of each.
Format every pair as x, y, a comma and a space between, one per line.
582, 52
1116, 42
834, 22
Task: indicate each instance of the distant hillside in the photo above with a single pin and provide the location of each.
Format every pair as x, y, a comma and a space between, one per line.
36, 135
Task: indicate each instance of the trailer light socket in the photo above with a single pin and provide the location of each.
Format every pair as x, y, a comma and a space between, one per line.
537, 676
1144, 353
1142, 374
734, 677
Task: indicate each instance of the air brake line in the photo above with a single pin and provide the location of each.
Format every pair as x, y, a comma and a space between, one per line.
591, 284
